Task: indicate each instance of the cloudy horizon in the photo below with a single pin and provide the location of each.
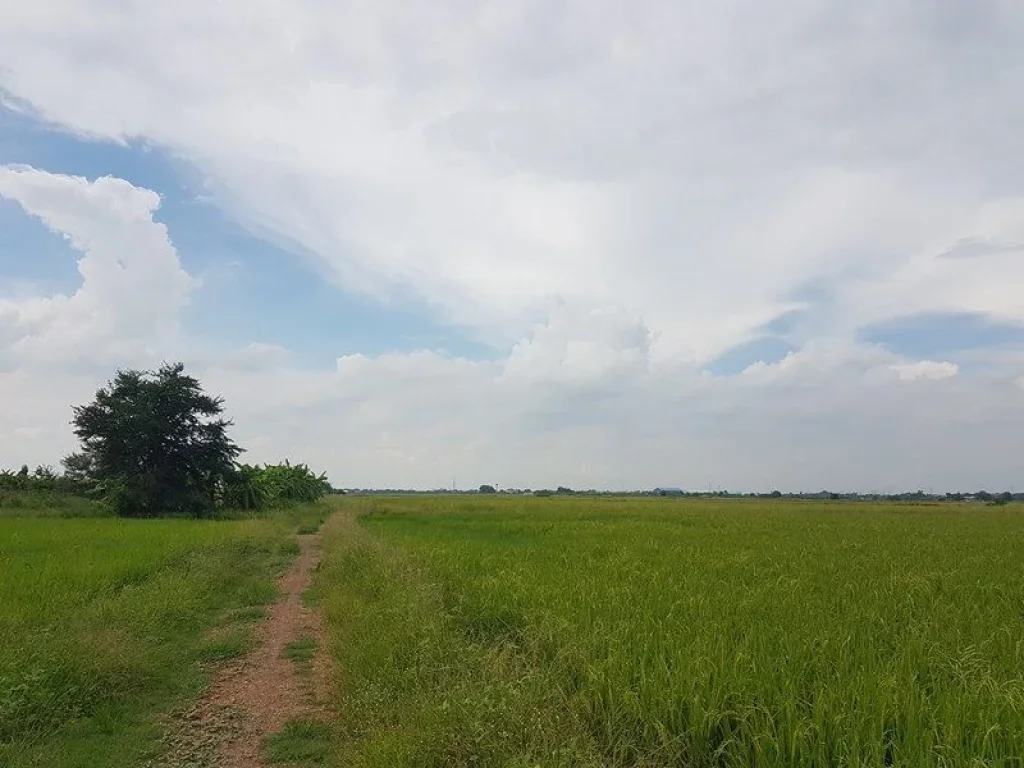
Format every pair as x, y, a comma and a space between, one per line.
525, 243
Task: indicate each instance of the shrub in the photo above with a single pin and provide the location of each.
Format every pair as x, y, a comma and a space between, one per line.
251, 486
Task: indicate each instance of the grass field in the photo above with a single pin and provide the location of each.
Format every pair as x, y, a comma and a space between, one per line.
585, 632
104, 623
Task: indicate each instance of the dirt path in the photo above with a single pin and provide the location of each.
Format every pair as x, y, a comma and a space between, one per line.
254, 697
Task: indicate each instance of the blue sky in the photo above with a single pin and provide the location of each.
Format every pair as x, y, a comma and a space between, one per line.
679, 245
766, 349
252, 289
946, 335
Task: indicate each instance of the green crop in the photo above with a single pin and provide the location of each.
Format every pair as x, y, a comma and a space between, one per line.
106, 622
603, 632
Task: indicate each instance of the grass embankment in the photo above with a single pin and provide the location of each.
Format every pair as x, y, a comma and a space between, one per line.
661, 632
104, 624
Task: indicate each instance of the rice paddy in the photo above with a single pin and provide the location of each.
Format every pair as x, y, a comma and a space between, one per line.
105, 623
662, 632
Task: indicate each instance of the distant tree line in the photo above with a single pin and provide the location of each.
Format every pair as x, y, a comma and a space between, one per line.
42, 479
1003, 497
153, 443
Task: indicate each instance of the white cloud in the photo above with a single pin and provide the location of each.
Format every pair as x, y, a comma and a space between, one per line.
698, 164
613, 192
835, 416
926, 369
423, 419
55, 350
132, 282
602, 347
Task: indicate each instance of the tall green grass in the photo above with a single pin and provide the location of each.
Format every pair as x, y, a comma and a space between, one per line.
49, 503
678, 632
103, 623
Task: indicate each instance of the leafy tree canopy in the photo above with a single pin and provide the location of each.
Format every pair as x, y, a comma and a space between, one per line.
155, 443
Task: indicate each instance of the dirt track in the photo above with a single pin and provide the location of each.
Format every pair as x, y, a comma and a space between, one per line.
254, 697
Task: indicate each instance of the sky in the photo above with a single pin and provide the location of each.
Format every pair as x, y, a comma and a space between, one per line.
529, 243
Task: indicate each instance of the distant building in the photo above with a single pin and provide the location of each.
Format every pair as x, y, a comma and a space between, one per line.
669, 491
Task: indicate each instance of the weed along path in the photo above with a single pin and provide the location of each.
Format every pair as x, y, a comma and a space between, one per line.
282, 683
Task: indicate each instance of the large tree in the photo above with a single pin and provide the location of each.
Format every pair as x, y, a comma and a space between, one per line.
155, 443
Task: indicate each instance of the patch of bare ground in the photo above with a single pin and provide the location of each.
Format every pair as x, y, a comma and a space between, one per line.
253, 697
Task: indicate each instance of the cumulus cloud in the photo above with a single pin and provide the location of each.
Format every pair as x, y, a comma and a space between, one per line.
834, 421
598, 347
132, 282
612, 194
54, 349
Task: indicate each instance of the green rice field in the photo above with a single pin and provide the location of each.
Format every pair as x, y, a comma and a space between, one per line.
524, 632
475, 631
105, 623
